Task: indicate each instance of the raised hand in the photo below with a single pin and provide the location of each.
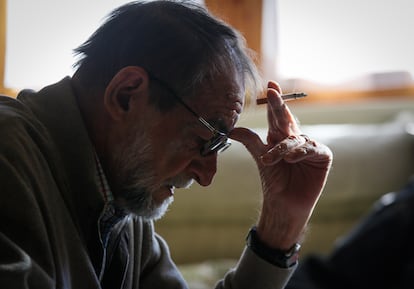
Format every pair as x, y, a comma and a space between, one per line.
293, 170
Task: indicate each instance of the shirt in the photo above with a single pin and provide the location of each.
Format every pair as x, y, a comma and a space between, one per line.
111, 214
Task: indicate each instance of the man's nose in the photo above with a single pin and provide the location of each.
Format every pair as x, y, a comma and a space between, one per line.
204, 168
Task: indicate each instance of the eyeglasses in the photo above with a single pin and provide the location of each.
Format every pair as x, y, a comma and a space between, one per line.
218, 143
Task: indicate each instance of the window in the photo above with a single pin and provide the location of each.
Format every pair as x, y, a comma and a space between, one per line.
352, 45
311, 45
42, 34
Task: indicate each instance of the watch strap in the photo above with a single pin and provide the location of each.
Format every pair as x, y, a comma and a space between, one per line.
280, 258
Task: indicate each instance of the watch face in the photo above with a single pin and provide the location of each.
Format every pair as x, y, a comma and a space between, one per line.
293, 250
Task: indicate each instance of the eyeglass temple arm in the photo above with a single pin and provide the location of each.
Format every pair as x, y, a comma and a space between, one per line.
200, 119
203, 121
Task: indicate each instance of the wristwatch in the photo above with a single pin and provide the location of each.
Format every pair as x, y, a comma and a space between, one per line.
280, 258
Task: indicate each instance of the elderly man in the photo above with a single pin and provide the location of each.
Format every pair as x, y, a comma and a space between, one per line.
88, 163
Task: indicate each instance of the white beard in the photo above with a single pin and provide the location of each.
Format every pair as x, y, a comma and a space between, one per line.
135, 177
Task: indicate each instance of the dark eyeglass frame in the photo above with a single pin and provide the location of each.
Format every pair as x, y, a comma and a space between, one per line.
218, 143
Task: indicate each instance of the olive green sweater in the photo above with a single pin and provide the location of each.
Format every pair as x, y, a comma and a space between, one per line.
50, 204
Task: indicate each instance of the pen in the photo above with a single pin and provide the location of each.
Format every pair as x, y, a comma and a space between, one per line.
286, 97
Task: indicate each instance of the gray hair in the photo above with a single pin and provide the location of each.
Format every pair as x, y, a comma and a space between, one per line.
177, 41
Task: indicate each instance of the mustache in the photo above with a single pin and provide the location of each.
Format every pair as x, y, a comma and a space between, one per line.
180, 181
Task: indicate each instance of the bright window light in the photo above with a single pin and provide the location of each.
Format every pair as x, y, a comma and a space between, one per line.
333, 42
42, 34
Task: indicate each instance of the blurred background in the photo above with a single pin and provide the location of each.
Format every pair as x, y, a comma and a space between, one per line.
353, 58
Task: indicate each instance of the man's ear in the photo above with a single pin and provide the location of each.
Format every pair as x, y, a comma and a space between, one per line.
129, 82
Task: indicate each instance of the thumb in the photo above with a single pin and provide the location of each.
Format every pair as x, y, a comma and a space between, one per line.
249, 139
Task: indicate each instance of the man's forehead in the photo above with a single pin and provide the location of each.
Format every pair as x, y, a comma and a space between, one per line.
222, 111
220, 101
224, 89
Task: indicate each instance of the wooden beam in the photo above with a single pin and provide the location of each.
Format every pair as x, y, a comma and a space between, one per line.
3, 32
2, 43
244, 15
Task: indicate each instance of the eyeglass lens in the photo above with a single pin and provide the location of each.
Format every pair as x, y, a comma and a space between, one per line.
218, 143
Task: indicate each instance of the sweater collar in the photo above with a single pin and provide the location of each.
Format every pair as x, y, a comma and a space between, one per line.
56, 108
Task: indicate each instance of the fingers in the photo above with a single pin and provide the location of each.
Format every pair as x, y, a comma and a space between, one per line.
274, 85
249, 139
307, 150
282, 123
294, 149
284, 139
283, 148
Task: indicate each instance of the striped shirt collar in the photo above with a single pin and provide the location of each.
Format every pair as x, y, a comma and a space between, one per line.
111, 214
103, 182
